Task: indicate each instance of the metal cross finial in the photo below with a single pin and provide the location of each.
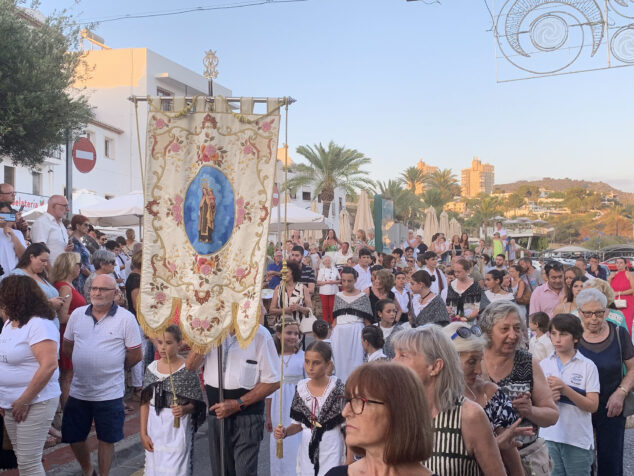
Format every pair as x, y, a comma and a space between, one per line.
210, 61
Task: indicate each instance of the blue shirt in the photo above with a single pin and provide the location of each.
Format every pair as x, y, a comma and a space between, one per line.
275, 280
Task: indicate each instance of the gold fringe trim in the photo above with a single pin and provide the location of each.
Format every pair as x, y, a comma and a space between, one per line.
153, 332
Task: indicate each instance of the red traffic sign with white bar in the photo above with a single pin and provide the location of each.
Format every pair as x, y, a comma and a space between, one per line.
84, 155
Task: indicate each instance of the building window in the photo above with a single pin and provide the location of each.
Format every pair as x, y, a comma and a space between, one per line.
90, 135
166, 104
108, 148
306, 196
37, 183
9, 175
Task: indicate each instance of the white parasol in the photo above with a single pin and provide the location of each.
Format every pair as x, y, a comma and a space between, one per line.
124, 210
363, 220
345, 233
455, 228
443, 226
431, 225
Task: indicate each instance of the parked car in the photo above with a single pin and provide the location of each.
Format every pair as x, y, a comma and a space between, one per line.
611, 263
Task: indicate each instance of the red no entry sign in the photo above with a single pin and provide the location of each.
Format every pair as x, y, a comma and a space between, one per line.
84, 155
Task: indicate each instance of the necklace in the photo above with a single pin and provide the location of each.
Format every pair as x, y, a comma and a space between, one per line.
287, 361
424, 297
475, 399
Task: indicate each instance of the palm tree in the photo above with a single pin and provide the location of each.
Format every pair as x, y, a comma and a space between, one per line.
446, 182
434, 198
329, 168
407, 205
412, 177
485, 208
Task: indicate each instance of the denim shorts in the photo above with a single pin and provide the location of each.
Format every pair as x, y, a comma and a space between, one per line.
108, 416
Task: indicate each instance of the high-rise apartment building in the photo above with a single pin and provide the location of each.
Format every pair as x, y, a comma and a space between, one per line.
477, 179
426, 169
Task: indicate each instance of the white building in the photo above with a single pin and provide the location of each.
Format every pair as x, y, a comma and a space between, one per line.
113, 76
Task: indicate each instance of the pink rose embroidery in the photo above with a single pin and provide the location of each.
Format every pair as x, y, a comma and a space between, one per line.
247, 150
266, 127
160, 123
204, 324
175, 147
160, 297
196, 323
205, 269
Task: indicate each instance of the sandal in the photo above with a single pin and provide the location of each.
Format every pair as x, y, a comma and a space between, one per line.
51, 441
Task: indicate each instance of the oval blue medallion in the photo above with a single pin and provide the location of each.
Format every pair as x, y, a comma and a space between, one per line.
209, 211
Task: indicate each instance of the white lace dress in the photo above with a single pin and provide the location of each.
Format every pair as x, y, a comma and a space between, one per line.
293, 373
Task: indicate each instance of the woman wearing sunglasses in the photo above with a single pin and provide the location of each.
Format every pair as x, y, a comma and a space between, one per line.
392, 437
463, 438
469, 343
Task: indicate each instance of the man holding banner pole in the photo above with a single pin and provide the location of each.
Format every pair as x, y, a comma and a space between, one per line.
250, 375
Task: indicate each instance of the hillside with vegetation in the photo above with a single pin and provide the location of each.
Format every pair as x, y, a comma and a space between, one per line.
562, 185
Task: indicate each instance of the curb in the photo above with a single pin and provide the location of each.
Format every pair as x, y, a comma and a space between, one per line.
123, 450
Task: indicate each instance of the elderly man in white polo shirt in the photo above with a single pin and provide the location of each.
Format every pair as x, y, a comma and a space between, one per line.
50, 230
250, 375
103, 340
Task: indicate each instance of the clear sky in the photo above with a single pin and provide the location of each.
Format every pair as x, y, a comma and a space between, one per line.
396, 80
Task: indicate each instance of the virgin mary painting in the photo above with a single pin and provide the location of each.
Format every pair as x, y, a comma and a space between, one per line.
206, 213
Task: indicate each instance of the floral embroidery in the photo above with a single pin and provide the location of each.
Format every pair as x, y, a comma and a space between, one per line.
152, 207
175, 209
160, 296
244, 211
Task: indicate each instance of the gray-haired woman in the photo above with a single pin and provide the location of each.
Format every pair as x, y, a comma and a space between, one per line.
103, 261
515, 371
609, 347
463, 439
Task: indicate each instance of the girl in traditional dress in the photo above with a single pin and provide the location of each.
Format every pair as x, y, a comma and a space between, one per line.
293, 359
352, 311
168, 450
316, 412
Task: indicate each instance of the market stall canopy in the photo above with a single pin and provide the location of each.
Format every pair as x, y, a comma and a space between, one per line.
297, 218
81, 199
572, 249
124, 210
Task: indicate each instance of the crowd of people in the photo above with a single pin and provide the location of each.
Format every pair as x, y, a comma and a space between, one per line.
71, 348
525, 370
432, 359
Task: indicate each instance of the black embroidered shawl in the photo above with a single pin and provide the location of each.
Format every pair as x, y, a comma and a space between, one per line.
329, 417
360, 307
187, 386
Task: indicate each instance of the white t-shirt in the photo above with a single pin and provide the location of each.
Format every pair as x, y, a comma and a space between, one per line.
364, 281
8, 258
244, 368
328, 274
540, 347
403, 299
574, 426
18, 364
99, 352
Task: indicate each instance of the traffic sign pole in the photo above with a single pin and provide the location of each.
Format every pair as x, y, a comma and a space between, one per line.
69, 173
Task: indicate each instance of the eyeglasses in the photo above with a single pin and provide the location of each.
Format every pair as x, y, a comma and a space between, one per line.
101, 290
65, 205
357, 404
466, 332
599, 313
7, 193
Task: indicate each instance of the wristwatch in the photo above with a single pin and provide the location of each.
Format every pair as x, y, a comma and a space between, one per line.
241, 404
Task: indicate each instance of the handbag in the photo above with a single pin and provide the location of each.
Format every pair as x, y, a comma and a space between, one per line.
620, 303
628, 403
535, 458
306, 324
525, 298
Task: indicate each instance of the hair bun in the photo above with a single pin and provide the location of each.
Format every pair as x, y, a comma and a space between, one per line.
432, 278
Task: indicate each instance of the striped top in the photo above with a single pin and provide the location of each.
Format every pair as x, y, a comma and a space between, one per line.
450, 457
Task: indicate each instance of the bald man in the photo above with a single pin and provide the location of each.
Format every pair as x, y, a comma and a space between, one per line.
103, 340
50, 230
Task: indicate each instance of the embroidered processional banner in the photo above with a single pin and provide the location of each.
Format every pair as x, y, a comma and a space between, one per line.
208, 188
